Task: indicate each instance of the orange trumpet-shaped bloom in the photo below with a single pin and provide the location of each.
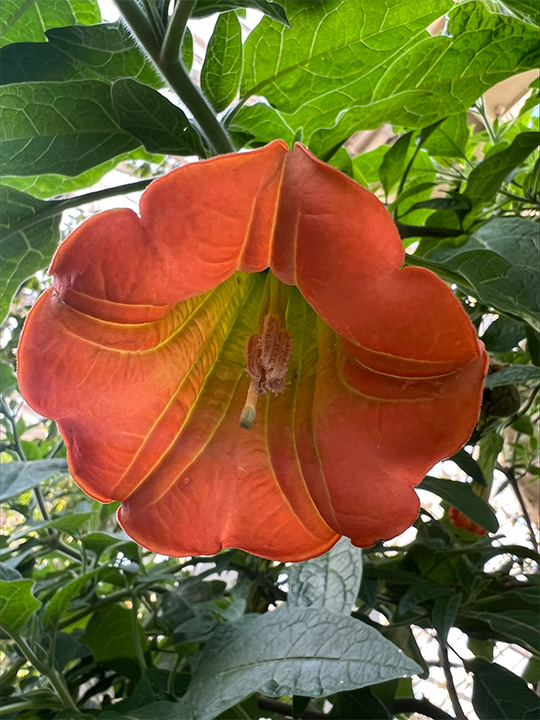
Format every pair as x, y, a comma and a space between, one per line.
247, 275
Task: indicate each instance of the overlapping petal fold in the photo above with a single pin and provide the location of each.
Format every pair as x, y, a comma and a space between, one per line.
138, 353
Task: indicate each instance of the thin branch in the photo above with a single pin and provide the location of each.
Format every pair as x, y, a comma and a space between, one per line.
511, 477
423, 707
140, 25
451, 688
55, 207
10, 417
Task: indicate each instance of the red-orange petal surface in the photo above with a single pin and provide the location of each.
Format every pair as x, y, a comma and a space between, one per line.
137, 353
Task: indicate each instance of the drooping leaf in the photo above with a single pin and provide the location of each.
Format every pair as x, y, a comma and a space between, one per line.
59, 127
499, 260
291, 651
503, 335
349, 65
450, 138
17, 604
103, 52
27, 20
461, 496
60, 601
513, 374
49, 185
25, 252
17, 477
468, 464
444, 614
486, 178
109, 634
158, 124
274, 10
330, 581
222, 67
71, 524
173, 301
498, 693
393, 163
518, 626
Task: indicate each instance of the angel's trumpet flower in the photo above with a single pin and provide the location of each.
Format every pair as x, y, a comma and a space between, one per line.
260, 290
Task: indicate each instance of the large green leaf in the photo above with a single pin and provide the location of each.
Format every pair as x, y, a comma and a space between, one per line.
486, 178
17, 604
330, 581
291, 651
50, 185
158, 124
26, 20
59, 127
352, 64
96, 52
461, 496
17, 477
222, 68
27, 251
109, 634
500, 261
498, 693
514, 626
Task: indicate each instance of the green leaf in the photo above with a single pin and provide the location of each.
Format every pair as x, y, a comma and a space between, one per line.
444, 614
59, 127
50, 185
109, 634
468, 464
486, 178
103, 52
186, 51
366, 166
162, 710
353, 64
450, 138
500, 262
59, 603
393, 163
17, 604
418, 593
503, 335
26, 20
8, 574
25, 252
158, 124
8, 381
274, 10
498, 693
70, 523
518, 626
17, 477
330, 581
513, 374
525, 10
263, 123
461, 496
291, 651
222, 67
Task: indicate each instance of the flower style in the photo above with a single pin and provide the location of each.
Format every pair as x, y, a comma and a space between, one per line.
248, 364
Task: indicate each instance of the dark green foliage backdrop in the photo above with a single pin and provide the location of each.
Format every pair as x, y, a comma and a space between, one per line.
94, 626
